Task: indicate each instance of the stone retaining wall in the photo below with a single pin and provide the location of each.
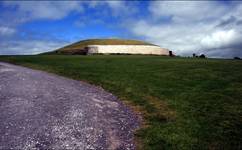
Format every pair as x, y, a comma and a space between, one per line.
127, 49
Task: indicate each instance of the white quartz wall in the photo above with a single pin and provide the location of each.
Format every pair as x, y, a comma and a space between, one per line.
128, 49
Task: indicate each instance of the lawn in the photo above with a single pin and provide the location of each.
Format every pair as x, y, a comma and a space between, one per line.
186, 103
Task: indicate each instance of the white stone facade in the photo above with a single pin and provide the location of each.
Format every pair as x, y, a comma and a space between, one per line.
127, 49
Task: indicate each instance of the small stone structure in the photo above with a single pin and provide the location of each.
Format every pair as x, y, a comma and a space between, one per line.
126, 49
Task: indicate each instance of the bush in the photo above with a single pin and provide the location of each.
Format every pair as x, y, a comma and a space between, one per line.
237, 58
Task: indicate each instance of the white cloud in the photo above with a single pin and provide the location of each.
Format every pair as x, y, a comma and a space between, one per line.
193, 27
220, 39
28, 47
23, 11
187, 11
44, 9
118, 8
5, 31
173, 36
116, 4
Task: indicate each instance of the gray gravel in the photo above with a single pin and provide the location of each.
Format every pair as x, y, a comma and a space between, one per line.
40, 110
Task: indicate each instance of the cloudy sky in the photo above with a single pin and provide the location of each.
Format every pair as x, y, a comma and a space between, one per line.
213, 28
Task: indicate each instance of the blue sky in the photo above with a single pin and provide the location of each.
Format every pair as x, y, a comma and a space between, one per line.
210, 27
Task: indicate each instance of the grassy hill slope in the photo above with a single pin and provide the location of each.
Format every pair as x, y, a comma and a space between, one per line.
186, 103
76, 47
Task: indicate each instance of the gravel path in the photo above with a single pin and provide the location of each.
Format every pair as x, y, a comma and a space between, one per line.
45, 111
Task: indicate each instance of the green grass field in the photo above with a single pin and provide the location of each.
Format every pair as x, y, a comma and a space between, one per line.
186, 103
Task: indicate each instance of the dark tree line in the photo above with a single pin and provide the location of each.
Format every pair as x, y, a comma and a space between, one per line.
200, 56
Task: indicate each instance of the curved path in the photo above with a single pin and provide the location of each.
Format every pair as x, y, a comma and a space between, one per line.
39, 110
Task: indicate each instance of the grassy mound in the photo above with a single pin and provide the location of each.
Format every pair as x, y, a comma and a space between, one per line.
78, 46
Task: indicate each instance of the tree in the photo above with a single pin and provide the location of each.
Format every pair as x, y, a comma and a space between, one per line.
237, 58
202, 56
171, 54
